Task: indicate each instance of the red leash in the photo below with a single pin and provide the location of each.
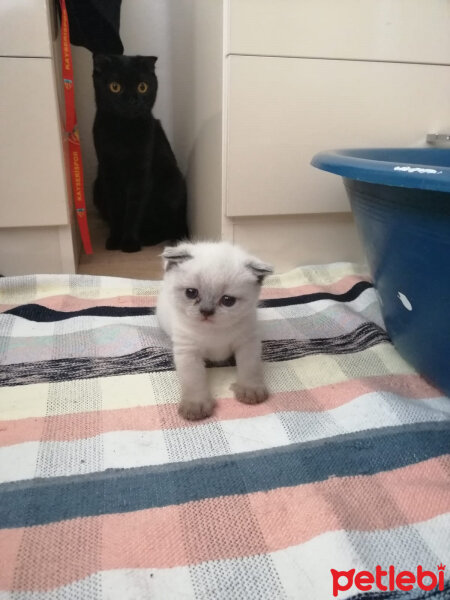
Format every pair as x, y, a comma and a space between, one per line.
71, 129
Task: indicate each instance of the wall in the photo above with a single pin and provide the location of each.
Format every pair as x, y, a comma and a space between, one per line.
185, 35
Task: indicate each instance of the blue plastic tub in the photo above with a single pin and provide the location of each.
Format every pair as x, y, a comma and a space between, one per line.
401, 202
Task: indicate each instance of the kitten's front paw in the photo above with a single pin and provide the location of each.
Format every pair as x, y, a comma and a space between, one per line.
193, 411
130, 245
112, 243
250, 394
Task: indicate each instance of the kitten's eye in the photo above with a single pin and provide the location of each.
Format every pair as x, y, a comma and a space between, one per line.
142, 87
115, 87
228, 300
191, 293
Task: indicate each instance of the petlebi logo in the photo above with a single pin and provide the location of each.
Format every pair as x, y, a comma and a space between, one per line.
389, 579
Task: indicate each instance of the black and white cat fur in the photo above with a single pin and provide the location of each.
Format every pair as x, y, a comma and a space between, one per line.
139, 189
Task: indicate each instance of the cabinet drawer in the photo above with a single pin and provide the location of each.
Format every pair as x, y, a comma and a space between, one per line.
392, 30
281, 111
31, 165
24, 28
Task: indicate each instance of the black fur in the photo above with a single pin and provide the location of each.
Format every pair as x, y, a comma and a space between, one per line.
139, 189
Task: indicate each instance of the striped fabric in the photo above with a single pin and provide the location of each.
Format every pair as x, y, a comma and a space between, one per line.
106, 493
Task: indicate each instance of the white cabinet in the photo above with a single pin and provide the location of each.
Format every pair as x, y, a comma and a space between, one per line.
298, 77
37, 233
387, 30
282, 111
32, 177
25, 28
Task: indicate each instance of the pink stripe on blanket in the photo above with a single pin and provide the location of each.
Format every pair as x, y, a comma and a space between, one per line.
229, 527
150, 418
10, 542
338, 287
70, 303
386, 500
67, 303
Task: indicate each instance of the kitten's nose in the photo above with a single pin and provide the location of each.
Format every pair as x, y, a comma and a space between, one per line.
207, 312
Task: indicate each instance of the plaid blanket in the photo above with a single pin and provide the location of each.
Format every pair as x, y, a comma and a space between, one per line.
106, 493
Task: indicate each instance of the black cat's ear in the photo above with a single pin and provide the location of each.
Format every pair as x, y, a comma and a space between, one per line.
259, 269
175, 255
149, 61
100, 62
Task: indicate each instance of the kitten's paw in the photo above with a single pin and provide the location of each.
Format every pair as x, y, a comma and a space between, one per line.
130, 245
193, 411
250, 394
112, 243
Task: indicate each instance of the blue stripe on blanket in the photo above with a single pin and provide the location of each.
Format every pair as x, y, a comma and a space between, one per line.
38, 501
42, 314
347, 296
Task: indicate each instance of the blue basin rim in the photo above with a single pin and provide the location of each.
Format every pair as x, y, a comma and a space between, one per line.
422, 168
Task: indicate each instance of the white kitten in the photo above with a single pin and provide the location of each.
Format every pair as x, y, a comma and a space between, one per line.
207, 305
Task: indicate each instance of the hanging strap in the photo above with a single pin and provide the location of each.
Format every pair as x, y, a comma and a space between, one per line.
71, 129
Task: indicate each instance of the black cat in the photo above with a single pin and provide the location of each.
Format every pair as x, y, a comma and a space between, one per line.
139, 189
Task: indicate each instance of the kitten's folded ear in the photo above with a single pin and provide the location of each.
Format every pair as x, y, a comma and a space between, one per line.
175, 255
259, 269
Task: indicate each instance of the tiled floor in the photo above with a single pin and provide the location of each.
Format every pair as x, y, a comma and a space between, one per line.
145, 264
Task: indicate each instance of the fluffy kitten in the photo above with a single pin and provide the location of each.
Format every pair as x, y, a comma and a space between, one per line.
139, 189
207, 305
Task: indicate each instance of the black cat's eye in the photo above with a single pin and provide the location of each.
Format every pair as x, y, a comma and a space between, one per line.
228, 301
142, 87
191, 293
115, 87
